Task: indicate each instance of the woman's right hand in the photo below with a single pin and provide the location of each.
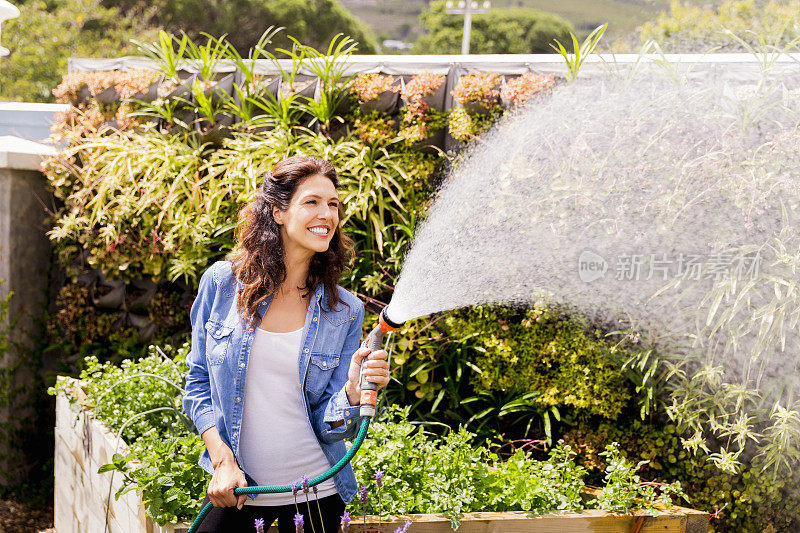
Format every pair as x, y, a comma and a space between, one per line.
227, 476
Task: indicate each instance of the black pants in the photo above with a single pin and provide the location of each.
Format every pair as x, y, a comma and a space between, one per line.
232, 520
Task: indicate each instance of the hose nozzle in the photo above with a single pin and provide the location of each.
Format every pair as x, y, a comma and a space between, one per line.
374, 341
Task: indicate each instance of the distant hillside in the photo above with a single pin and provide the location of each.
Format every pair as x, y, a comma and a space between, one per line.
399, 19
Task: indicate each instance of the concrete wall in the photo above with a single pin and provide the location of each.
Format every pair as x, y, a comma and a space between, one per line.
24, 267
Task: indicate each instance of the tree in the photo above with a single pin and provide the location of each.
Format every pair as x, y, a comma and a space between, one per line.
501, 31
312, 22
48, 32
690, 28
45, 35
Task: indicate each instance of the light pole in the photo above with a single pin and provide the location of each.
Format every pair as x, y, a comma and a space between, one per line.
7, 11
467, 8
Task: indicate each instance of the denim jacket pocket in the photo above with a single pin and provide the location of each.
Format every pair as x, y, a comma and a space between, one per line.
218, 342
320, 370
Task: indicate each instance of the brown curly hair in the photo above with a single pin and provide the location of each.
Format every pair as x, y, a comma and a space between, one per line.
258, 257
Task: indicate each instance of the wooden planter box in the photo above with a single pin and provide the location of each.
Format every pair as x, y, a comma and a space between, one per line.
673, 520
81, 496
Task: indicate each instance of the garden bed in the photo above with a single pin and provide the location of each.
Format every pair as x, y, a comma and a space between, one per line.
673, 520
83, 445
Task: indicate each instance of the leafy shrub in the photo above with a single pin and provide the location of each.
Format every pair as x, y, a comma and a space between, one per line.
465, 127
165, 472
501, 31
119, 394
77, 330
141, 402
546, 352
691, 28
753, 500
450, 475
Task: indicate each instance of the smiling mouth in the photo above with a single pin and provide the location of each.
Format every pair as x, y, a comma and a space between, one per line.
319, 231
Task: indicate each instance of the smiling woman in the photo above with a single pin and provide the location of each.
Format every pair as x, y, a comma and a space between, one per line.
274, 366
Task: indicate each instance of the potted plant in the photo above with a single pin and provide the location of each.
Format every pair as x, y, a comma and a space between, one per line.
425, 89
463, 126
478, 93
519, 90
423, 122
375, 128
376, 92
73, 89
102, 86
139, 84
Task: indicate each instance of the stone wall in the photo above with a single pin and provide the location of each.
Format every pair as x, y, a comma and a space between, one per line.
24, 269
82, 446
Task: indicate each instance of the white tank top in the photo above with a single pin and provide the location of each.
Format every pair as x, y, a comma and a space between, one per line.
277, 443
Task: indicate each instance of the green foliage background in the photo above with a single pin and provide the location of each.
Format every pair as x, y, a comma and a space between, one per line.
526, 377
687, 27
48, 32
501, 31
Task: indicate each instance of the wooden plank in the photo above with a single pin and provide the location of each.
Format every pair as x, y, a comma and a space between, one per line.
674, 520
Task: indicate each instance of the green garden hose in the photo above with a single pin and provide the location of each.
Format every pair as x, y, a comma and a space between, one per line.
362, 434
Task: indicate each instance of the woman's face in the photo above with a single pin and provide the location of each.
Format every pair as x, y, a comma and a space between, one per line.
312, 217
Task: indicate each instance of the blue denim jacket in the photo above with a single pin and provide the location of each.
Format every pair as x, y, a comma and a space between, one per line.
218, 365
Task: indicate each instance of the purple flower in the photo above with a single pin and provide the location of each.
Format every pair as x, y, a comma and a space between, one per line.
405, 527
295, 488
379, 478
298, 523
345, 521
304, 483
363, 491
259, 525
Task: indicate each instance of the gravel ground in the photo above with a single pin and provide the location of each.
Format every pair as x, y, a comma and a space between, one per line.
18, 517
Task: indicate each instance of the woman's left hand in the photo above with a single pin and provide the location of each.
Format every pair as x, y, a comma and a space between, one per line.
376, 370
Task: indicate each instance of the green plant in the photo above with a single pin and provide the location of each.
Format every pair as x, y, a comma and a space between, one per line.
140, 402
579, 53
119, 394
330, 69
163, 53
624, 491
752, 500
453, 475
203, 103
204, 58
164, 471
464, 126
131, 215
544, 351
687, 27
501, 31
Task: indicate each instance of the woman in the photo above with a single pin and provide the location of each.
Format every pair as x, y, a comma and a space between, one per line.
273, 381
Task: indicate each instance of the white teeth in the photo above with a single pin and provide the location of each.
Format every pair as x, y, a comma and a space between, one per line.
318, 231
